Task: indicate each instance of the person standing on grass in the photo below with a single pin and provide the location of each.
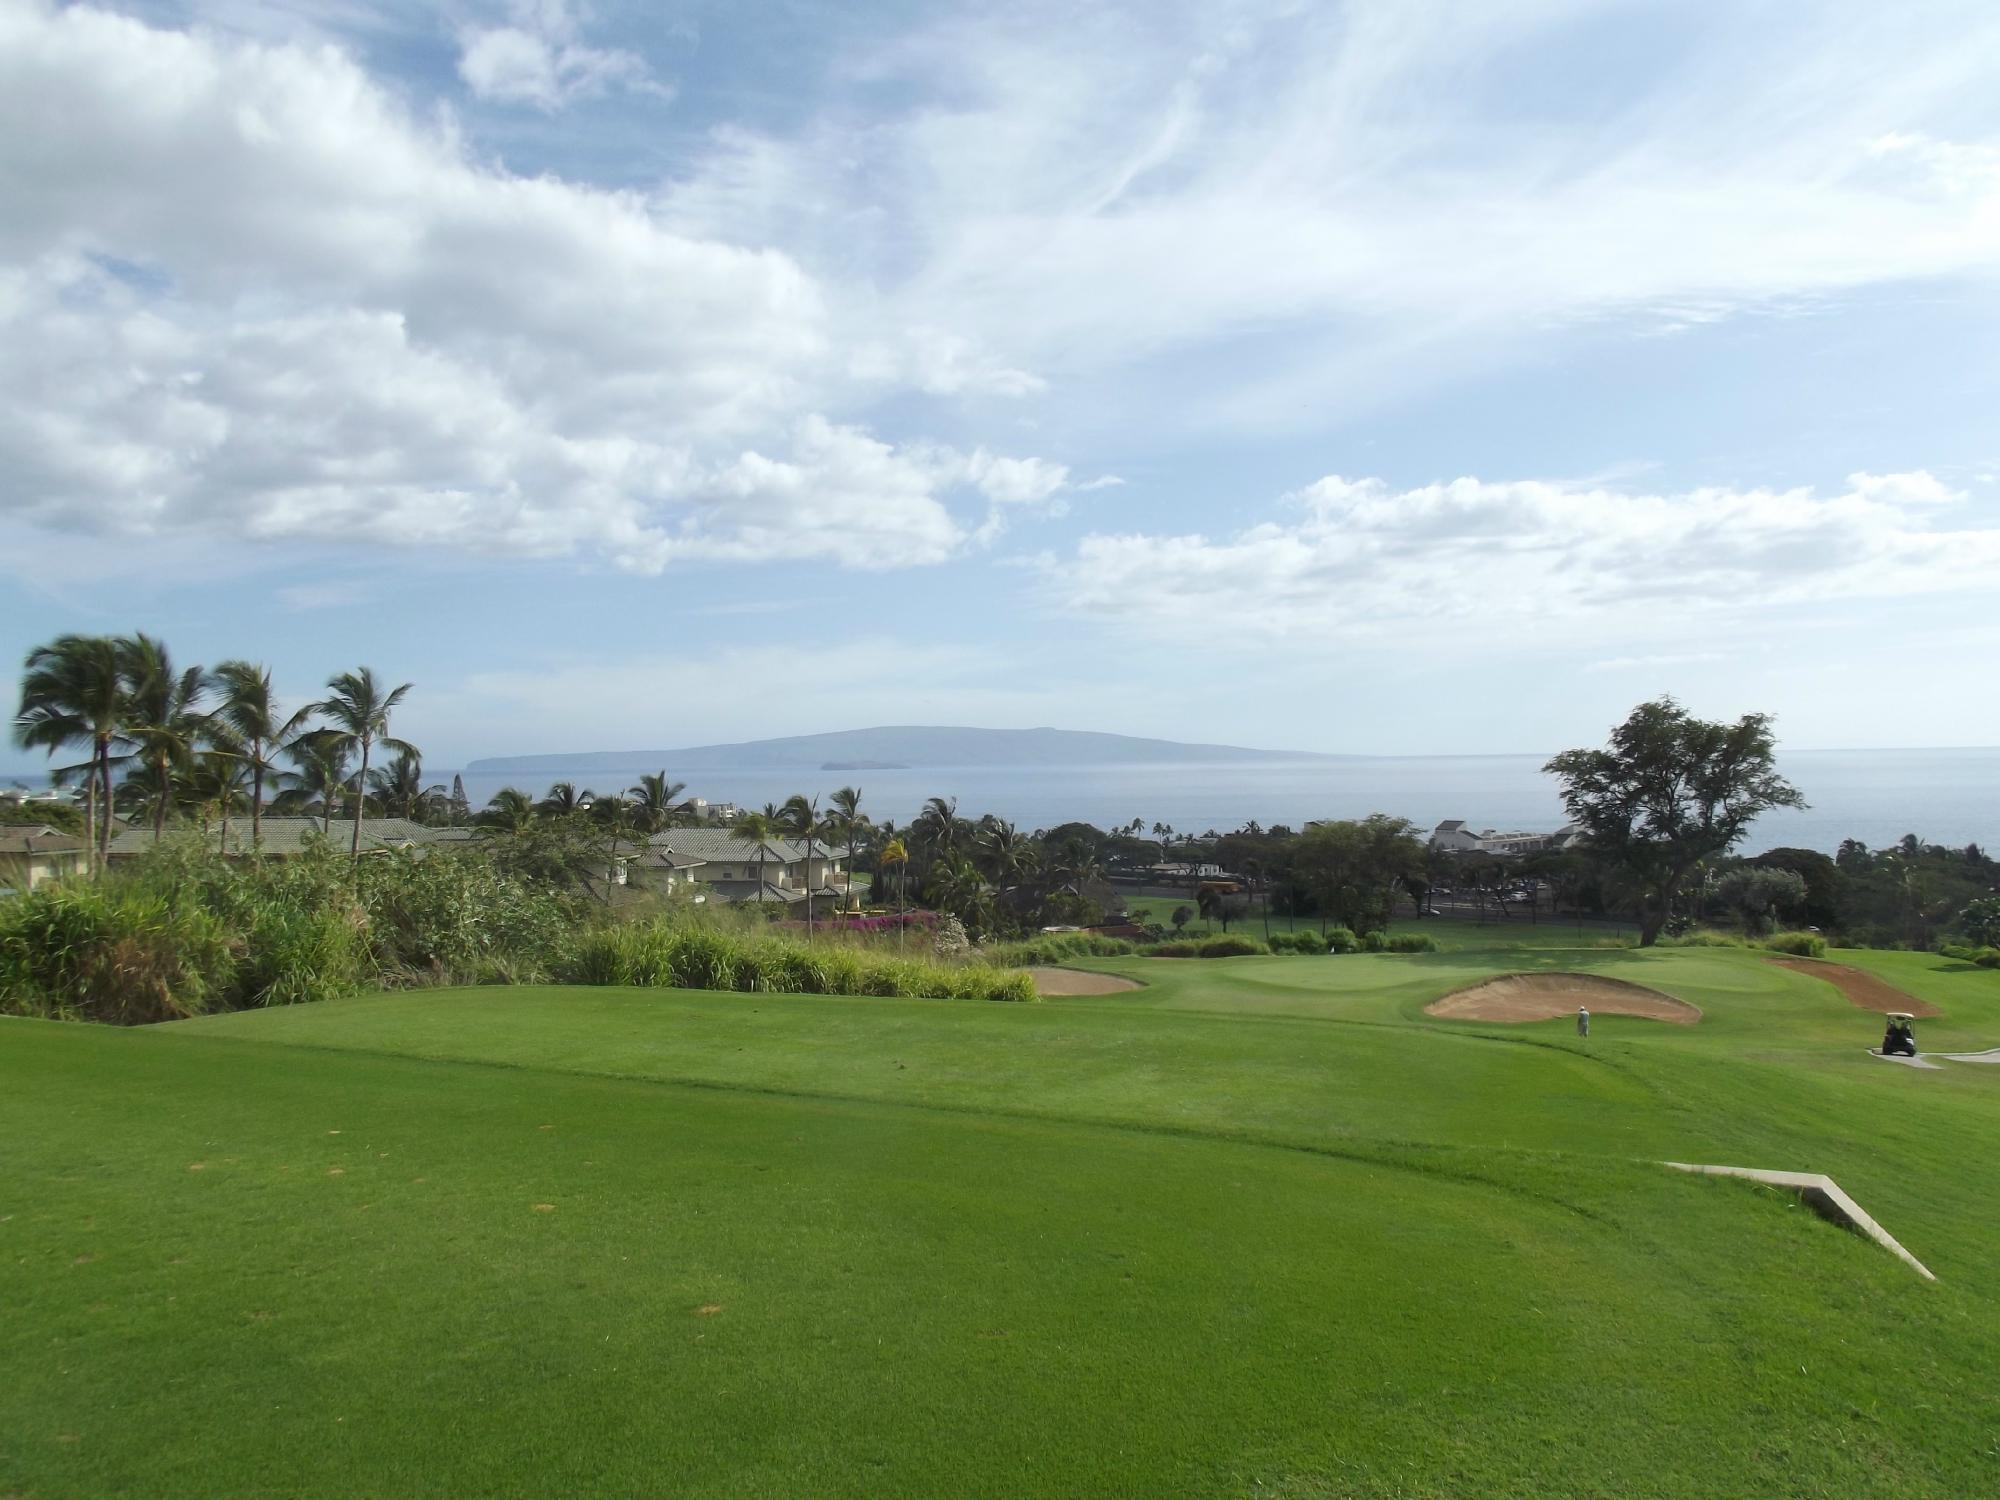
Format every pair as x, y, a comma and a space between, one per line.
1582, 1021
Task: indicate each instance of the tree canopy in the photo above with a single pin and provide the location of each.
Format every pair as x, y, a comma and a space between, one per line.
1669, 792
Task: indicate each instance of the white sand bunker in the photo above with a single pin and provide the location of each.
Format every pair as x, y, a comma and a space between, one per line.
1079, 982
1543, 997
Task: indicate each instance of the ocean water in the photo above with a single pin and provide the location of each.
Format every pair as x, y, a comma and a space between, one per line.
1877, 796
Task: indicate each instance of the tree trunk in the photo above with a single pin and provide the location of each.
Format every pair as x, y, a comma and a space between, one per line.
160, 807
104, 797
257, 797
360, 800
90, 814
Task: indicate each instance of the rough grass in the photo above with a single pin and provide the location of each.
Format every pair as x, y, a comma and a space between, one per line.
1259, 1228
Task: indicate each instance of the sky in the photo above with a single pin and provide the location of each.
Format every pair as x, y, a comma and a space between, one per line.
1399, 377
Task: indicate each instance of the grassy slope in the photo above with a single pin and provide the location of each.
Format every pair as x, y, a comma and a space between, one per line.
1259, 1225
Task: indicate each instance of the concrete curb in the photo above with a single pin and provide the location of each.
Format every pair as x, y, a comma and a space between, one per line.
1823, 1196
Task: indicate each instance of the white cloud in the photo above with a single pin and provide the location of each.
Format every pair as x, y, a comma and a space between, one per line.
244, 293
1361, 559
1395, 186
538, 59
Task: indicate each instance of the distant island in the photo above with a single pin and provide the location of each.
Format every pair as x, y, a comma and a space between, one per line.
892, 747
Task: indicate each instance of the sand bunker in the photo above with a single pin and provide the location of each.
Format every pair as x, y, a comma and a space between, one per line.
1863, 988
1543, 997
1078, 982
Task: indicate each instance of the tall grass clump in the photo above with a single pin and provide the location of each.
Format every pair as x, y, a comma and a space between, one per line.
180, 932
659, 954
127, 954
1058, 948
1798, 944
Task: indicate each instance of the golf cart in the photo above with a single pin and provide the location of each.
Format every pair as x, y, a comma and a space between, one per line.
1899, 1040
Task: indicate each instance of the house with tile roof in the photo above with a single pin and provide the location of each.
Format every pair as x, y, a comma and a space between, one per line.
786, 871
30, 855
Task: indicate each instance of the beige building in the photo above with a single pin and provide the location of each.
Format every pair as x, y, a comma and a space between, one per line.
28, 856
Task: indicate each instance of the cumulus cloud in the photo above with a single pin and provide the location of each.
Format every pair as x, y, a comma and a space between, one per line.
538, 59
1360, 558
244, 292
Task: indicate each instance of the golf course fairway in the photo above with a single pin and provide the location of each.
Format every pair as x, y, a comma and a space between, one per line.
1261, 1227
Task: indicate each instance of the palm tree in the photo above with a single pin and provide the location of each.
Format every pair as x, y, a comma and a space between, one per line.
761, 827
509, 808
801, 821
563, 798
934, 831
321, 779
248, 721
72, 693
895, 853
163, 715
359, 711
846, 820
216, 782
400, 789
656, 801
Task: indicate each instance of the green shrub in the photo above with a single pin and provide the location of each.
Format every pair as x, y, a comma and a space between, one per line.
1342, 940
1412, 942
1704, 937
1174, 948
1231, 945
1799, 944
1972, 953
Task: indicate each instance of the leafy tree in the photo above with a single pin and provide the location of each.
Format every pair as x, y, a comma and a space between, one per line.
1669, 792
73, 694
1980, 921
249, 724
1355, 868
1180, 917
358, 710
1760, 895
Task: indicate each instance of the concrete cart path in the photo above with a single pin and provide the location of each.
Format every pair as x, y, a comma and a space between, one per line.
1823, 1196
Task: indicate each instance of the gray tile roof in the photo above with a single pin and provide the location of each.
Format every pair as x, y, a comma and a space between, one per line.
287, 835
38, 841
719, 845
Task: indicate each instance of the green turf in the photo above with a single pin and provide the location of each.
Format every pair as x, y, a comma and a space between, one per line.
1259, 1228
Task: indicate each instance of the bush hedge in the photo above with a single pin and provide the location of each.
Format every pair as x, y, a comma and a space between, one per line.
1798, 944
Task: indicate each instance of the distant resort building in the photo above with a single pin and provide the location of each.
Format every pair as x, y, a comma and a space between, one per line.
1456, 836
